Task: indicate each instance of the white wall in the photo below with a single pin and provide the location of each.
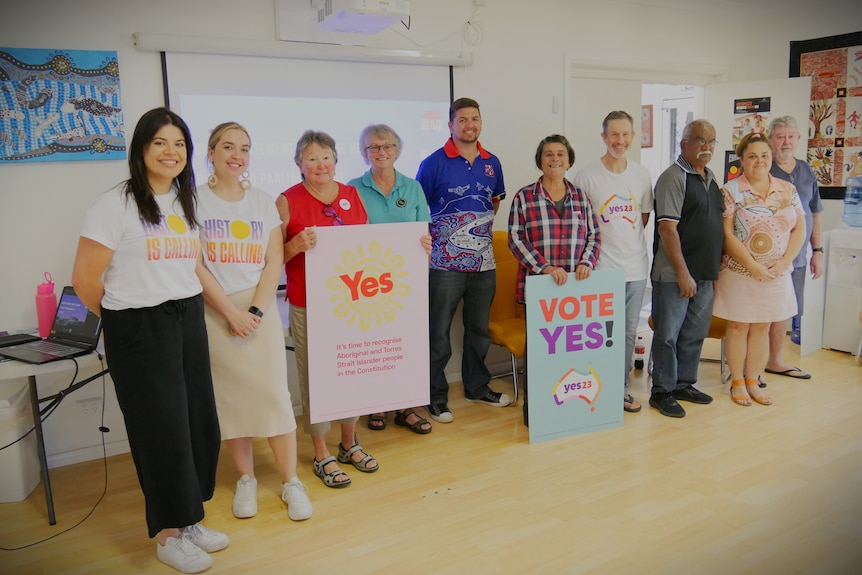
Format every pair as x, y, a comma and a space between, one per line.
518, 68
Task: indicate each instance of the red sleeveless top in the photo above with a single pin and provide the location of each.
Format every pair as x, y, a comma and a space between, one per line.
307, 211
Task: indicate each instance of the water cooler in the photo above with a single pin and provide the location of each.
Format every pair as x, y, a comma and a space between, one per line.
841, 326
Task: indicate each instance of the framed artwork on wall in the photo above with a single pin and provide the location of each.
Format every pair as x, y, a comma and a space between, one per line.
834, 64
646, 126
60, 105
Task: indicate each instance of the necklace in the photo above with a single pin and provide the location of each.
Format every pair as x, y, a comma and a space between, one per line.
322, 195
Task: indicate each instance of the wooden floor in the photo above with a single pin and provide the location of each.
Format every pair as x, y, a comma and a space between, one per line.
726, 490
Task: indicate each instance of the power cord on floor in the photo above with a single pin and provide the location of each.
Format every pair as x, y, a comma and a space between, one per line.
102, 428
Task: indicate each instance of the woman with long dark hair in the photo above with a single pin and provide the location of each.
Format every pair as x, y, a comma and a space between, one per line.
135, 266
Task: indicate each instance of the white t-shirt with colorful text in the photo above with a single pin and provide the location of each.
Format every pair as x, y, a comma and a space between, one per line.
618, 201
151, 264
235, 235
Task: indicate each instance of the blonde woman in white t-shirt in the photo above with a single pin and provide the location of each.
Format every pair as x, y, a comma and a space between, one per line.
241, 236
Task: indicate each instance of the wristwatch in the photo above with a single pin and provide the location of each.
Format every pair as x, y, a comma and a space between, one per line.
817, 250
256, 311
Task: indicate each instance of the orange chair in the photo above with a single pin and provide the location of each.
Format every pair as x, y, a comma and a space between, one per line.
507, 325
717, 329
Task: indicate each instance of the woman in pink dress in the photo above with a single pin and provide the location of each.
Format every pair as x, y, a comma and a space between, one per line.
764, 229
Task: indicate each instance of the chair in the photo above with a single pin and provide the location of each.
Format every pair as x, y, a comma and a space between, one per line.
507, 325
717, 329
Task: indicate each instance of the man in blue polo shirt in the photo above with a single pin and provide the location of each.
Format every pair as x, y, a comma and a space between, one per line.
688, 241
463, 183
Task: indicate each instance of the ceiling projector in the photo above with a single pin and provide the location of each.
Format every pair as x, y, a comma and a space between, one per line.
360, 16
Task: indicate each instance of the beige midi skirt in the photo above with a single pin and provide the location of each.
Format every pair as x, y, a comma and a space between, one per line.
250, 374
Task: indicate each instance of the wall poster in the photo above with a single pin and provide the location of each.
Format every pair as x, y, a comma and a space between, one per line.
58, 105
834, 64
750, 116
646, 126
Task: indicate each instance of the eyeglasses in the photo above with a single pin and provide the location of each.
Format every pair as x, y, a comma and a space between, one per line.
701, 142
385, 147
330, 212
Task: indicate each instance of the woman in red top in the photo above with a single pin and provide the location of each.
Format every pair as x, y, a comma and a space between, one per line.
318, 201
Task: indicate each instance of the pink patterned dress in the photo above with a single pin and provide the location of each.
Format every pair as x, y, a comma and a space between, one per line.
763, 225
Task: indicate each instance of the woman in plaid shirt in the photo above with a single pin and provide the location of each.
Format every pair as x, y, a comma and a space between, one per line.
552, 228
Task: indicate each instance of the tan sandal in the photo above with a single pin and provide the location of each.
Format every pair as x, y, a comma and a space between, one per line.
741, 397
754, 391
364, 465
330, 479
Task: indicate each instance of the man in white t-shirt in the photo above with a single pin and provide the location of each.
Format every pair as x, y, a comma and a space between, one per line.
622, 198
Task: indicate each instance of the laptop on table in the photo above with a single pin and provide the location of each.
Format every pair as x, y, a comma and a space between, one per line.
75, 332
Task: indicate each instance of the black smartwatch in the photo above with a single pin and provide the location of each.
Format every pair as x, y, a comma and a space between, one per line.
256, 311
817, 250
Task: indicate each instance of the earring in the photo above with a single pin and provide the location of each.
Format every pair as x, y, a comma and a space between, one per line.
213, 179
244, 181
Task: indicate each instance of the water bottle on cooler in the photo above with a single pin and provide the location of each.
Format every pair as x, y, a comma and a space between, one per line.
796, 330
46, 305
640, 352
853, 203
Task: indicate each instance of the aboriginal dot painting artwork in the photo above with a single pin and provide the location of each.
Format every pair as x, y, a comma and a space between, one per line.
834, 130
60, 105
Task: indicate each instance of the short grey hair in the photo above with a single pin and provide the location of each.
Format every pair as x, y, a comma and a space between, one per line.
616, 115
686, 132
787, 121
309, 137
383, 132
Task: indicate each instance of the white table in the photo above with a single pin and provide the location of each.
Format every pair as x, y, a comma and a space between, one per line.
16, 370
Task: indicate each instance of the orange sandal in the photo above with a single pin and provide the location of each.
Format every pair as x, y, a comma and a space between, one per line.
741, 397
752, 385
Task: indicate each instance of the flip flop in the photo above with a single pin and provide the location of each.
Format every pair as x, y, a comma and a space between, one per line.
789, 373
628, 404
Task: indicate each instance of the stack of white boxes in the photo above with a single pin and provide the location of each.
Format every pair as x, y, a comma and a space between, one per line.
19, 463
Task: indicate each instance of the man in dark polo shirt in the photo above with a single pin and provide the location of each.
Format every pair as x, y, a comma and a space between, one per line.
688, 241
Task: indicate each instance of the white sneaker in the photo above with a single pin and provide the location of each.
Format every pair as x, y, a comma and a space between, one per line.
245, 498
183, 555
207, 539
298, 503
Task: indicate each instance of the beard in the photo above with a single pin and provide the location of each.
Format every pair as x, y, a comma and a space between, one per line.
785, 154
617, 155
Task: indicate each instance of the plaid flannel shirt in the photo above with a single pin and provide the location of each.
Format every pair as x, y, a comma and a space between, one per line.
539, 237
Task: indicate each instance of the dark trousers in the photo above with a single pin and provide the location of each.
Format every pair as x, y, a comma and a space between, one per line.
446, 289
159, 362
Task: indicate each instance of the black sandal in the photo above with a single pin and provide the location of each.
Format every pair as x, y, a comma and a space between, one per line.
421, 426
377, 421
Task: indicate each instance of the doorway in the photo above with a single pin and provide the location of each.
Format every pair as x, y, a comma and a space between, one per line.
674, 106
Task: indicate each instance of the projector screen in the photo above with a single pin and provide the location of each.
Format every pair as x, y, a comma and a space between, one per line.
277, 99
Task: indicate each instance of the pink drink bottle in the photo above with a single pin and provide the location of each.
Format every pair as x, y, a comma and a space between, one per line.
46, 305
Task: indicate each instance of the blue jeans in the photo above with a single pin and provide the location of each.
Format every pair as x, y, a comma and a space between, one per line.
446, 289
681, 324
634, 302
